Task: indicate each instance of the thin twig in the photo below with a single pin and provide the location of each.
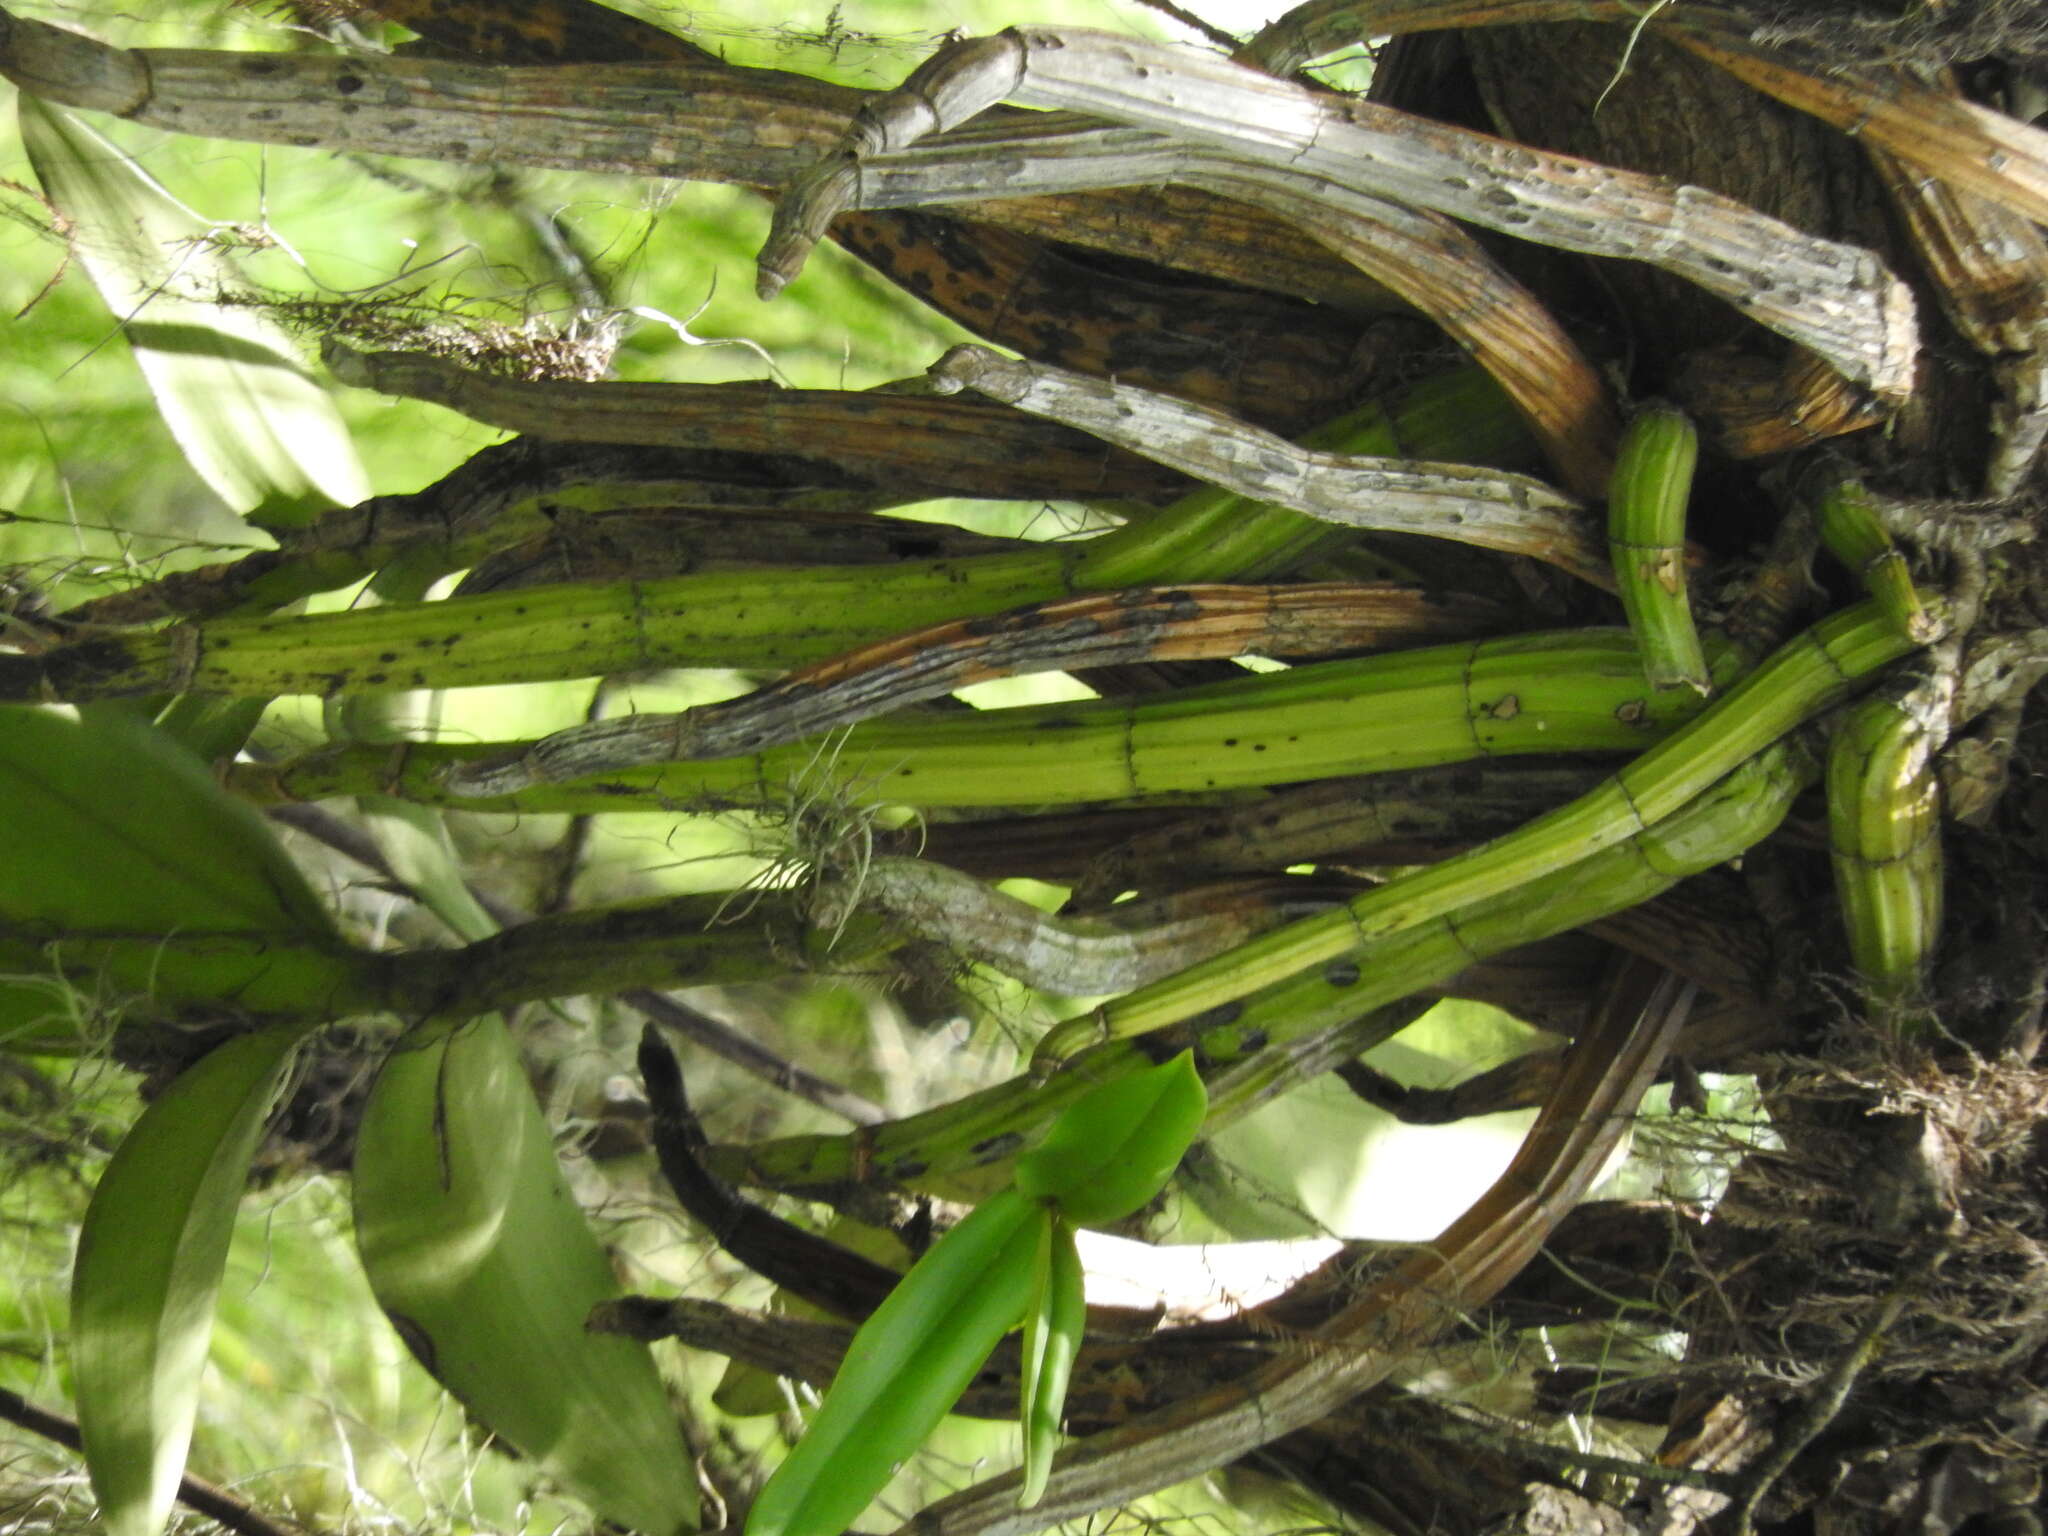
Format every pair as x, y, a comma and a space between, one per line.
1565, 1458
1521, 1083
742, 1050
575, 841
1194, 23
803, 1263
193, 1492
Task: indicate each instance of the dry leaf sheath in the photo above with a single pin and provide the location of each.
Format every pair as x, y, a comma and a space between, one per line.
1836, 299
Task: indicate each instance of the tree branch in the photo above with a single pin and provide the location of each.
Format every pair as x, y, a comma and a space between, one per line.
193, 1492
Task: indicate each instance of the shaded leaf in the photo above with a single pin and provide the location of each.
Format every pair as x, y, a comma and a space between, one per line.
481, 1256
128, 866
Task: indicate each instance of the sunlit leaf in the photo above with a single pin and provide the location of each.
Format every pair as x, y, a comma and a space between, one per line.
150, 1258
244, 409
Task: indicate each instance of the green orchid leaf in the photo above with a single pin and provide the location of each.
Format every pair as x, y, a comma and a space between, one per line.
130, 871
246, 412
150, 1258
905, 1369
1115, 1147
1053, 1329
486, 1265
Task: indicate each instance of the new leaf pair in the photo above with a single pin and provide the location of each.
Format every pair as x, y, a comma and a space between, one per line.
1012, 1260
